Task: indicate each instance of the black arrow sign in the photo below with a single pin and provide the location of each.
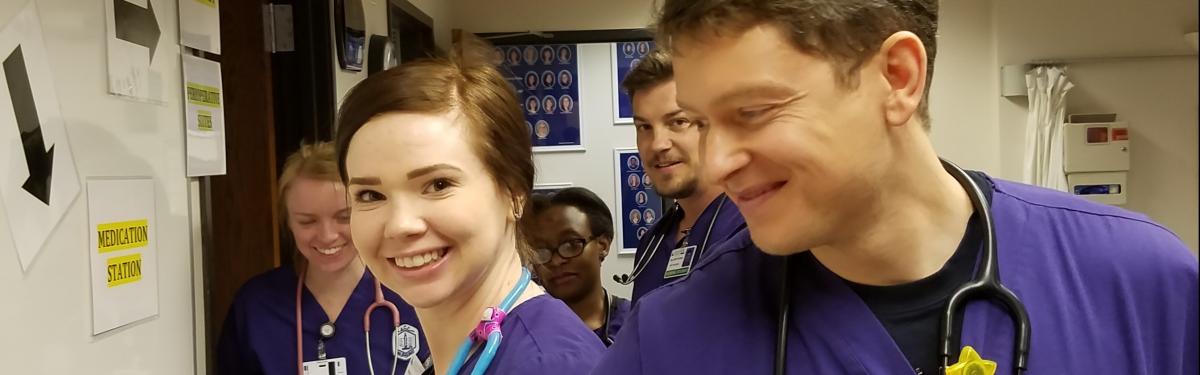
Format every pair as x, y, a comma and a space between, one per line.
37, 158
136, 25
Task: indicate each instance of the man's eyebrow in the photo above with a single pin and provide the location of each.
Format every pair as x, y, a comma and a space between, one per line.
757, 90
672, 114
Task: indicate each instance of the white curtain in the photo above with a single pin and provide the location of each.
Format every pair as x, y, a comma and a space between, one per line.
1047, 87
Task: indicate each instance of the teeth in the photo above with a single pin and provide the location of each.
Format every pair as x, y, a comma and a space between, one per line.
419, 260
329, 250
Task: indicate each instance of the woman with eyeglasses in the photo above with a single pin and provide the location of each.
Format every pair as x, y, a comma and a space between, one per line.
571, 232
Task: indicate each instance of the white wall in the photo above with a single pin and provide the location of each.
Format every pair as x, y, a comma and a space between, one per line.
48, 308
375, 12
962, 106
485, 16
1157, 97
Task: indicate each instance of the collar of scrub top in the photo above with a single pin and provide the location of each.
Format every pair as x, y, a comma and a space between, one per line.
660, 234
488, 331
379, 302
984, 285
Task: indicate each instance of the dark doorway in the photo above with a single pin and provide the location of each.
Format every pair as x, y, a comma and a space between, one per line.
274, 101
410, 30
304, 105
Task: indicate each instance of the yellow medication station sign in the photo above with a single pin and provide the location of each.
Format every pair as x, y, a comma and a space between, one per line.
124, 251
124, 269
123, 235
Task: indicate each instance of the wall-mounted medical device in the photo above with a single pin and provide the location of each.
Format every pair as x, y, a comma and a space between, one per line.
1096, 157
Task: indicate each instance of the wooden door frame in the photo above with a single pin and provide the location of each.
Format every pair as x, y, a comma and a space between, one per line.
239, 215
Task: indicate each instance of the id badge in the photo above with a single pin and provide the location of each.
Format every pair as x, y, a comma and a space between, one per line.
335, 366
680, 262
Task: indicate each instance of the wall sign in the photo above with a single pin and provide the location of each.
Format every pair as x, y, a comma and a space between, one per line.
546, 78
638, 206
123, 251
38, 181
625, 56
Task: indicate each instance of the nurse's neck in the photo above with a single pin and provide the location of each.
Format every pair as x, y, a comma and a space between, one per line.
333, 288
448, 324
694, 205
590, 307
910, 227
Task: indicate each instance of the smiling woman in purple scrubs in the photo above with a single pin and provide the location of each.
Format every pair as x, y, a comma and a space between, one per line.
439, 163
260, 333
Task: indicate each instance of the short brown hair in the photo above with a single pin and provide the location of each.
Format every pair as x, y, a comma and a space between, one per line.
465, 82
845, 32
654, 69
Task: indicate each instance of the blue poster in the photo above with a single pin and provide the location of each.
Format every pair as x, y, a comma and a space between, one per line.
638, 206
626, 55
545, 77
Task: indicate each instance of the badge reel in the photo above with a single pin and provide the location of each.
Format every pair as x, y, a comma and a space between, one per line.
323, 366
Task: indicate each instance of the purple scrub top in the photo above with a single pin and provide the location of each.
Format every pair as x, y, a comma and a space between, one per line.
1108, 292
728, 222
259, 333
618, 309
543, 336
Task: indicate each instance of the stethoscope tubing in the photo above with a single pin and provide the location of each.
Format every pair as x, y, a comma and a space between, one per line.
379, 302
640, 264
986, 284
493, 340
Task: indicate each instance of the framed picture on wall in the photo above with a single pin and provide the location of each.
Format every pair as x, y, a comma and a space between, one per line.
638, 206
625, 56
546, 79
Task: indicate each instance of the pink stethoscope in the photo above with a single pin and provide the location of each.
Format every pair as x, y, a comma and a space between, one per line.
327, 328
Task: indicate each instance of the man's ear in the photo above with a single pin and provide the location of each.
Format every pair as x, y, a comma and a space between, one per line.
904, 68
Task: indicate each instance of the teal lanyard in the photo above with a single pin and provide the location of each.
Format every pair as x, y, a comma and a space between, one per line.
493, 339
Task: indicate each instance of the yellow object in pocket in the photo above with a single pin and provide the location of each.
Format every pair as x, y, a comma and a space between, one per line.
970, 363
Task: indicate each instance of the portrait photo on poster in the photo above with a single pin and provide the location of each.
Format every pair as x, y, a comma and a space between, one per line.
638, 206
625, 56
545, 77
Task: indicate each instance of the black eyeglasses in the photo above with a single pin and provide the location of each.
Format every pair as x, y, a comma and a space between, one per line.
567, 249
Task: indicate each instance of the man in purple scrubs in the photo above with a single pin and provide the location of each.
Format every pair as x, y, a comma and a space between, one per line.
668, 143
816, 120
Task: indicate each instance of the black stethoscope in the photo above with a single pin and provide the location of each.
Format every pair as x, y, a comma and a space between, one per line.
608, 300
639, 265
985, 285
